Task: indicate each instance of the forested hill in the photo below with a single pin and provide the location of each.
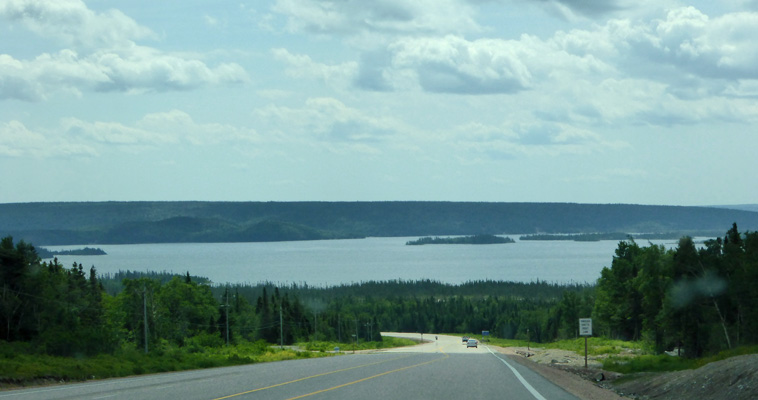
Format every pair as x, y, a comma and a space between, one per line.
156, 222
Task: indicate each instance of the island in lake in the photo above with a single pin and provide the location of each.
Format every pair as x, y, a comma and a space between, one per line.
476, 239
87, 251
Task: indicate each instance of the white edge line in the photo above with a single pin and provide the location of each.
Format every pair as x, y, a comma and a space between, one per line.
521, 379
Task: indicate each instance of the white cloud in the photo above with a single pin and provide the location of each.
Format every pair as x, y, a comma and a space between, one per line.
182, 126
173, 128
303, 67
113, 133
577, 10
683, 69
455, 65
452, 64
378, 17
76, 137
686, 41
722, 47
16, 82
71, 22
16, 140
328, 120
136, 69
530, 139
103, 56
144, 68
211, 21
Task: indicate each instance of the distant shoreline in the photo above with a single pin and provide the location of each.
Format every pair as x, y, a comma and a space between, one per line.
596, 237
106, 223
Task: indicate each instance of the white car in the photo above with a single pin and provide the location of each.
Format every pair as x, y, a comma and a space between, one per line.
472, 343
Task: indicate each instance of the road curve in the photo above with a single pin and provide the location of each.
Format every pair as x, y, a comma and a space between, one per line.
442, 369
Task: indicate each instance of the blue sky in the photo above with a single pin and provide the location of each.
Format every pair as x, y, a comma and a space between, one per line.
589, 101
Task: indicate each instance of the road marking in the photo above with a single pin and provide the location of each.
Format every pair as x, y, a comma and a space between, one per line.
521, 379
308, 377
368, 378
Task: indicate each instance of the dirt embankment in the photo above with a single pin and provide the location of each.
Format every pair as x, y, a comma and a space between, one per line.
732, 379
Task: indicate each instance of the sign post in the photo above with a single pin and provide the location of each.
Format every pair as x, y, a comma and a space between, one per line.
585, 329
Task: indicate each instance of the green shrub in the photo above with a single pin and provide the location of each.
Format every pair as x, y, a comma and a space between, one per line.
647, 363
204, 340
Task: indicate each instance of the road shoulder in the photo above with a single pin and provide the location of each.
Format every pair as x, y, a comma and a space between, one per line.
572, 383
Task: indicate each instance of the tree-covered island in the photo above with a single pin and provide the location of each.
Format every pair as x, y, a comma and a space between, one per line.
476, 239
87, 251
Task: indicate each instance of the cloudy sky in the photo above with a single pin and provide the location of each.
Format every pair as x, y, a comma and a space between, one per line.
589, 101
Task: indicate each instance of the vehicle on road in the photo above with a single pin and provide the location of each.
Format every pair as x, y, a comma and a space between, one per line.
472, 343
465, 339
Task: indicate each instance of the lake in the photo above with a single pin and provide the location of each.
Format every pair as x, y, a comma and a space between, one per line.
334, 262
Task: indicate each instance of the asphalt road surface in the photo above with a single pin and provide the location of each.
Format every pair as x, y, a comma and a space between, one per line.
440, 369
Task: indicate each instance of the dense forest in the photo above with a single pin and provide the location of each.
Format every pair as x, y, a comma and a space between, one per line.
160, 222
701, 300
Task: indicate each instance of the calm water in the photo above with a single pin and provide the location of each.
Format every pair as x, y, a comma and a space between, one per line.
325, 263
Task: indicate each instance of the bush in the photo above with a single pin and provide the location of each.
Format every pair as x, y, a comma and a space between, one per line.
198, 343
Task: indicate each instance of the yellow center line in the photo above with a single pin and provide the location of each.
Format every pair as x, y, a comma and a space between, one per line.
308, 377
370, 377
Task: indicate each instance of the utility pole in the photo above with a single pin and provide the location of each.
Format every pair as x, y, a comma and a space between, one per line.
281, 328
144, 313
339, 330
527, 339
227, 315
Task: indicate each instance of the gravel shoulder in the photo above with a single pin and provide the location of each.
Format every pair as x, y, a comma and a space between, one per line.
735, 378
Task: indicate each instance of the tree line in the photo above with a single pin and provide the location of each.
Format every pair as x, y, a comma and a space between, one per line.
701, 300
67, 311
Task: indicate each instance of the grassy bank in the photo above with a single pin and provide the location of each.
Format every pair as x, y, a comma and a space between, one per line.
666, 363
20, 366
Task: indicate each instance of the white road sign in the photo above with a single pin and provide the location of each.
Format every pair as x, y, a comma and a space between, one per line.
585, 326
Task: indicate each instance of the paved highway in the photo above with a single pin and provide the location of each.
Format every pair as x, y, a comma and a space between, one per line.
440, 369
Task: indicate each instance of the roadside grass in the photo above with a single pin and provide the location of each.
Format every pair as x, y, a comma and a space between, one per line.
626, 357
598, 346
666, 363
20, 366
325, 347
505, 342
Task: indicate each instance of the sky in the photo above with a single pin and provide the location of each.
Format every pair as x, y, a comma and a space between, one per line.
585, 101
